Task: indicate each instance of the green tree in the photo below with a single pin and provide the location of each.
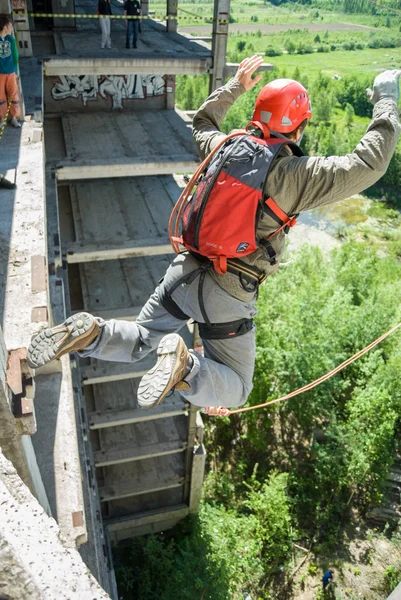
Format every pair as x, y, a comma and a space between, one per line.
289, 46
349, 114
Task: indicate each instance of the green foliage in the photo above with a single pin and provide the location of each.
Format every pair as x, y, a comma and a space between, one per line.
270, 51
217, 554
349, 114
392, 577
290, 46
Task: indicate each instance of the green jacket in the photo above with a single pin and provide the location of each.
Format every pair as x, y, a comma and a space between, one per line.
302, 183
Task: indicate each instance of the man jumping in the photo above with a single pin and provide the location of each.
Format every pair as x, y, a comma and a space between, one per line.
225, 304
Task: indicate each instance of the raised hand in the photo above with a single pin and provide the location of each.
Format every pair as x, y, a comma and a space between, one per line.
246, 69
386, 85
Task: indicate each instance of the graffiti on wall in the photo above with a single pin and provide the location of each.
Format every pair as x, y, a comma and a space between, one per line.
115, 87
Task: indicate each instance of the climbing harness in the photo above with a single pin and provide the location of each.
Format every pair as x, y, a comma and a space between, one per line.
220, 208
221, 411
207, 330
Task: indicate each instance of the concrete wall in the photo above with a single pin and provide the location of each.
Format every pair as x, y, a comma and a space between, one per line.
35, 563
88, 93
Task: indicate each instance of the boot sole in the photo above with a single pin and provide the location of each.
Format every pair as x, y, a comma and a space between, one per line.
47, 345
158, 382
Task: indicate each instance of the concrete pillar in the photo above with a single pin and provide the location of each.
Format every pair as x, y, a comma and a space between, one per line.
219, 42
170, 91
197, 474
145, 7
172, 12
66, 7
21, 28
5, 7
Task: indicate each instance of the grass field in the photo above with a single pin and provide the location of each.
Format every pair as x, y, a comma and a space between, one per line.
243, 11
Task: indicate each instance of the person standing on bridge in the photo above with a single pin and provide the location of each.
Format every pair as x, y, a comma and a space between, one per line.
132, 8
9, 98
225, 304
104, 10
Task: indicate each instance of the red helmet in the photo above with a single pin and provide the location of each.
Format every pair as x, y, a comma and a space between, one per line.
281, 106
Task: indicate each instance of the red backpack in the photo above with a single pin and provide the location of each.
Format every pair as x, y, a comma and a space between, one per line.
220, 208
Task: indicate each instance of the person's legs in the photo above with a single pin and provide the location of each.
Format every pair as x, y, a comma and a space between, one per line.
129, 28
108, 30
224, 375
130, 341
3, 97
103, 28
135, 32
12, 94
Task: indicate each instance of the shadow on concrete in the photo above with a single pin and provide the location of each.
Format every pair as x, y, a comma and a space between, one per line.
48, 393
9, 157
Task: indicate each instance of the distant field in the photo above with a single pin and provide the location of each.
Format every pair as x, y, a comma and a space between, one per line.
267, 28
243, 11
367, 62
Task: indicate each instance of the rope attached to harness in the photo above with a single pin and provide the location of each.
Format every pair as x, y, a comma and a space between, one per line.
221, 411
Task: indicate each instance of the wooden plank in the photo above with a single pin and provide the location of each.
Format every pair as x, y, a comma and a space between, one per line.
179, 511
71, 170
109, 371
114, 457
135, 415
80, 252
130, 488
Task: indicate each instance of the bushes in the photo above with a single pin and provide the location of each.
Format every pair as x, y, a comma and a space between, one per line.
217, 554
270, 51
304, 48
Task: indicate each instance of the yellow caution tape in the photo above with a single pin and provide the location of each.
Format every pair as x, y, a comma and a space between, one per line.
125, 17
209, 19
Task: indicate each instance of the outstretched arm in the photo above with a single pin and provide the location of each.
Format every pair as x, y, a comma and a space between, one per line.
207, 121
306, 182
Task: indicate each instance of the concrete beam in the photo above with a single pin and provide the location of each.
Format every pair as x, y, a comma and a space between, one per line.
70, 170
80, 252
125, 490
95, 374
115, 457
54, 67
56, 447
180, 511
114, 418
197, 474
231, 68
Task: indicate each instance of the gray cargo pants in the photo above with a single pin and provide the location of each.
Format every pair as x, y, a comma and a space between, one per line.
223, 376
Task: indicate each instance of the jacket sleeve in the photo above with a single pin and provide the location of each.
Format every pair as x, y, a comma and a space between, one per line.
306, 182
207, 121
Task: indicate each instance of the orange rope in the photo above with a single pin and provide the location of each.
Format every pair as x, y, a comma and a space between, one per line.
221, 411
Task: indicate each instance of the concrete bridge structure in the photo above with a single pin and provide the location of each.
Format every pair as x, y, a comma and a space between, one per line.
99, 164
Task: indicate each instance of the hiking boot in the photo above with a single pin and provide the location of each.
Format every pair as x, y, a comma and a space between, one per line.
76, 333
15, 123
167, 374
